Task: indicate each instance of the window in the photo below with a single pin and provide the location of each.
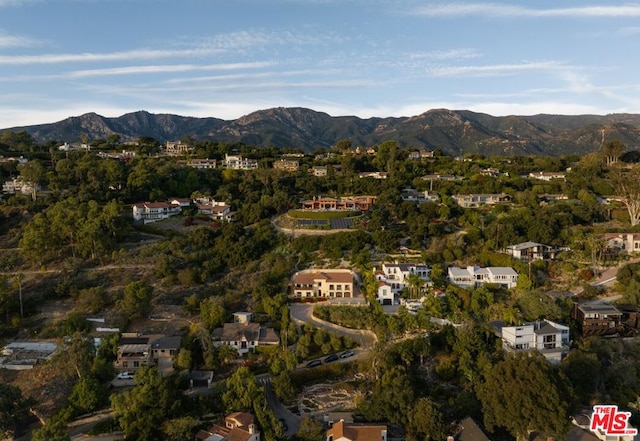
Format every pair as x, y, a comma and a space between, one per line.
136, 364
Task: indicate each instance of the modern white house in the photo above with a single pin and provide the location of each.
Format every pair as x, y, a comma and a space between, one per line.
237, 162
479, 200
473, 276
549, 338
147, 212
394, 277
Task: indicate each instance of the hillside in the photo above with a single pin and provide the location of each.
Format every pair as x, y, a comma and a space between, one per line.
454, 132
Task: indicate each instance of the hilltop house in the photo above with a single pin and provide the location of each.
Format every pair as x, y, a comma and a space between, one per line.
363, 203
394, 277
203, 164
411, 195
216, 210
325, 283
238, 426
147, 212
549, 338
244, 335
622, 242
528, 251
597, 319
237, 162
136, 350
478, 200
290, 165
473, 276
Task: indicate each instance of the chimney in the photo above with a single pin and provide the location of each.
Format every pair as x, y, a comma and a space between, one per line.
252, 429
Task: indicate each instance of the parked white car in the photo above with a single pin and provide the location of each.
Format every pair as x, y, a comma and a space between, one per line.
125, 376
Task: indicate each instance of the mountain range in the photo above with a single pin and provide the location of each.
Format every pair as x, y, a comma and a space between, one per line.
454, 132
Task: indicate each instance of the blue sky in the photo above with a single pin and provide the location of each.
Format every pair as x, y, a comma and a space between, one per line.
228, 58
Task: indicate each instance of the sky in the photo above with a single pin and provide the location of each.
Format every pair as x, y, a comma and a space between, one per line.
228, 58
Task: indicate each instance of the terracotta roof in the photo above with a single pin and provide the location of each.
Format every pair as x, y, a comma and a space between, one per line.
307, 278
356, 432
240, 419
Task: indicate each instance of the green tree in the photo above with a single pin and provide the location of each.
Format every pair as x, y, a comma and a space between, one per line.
141, 411
425, 422
13, 409
136, 301
212, 312
310, 430
241, 389
87, 395
525, 392
34, 173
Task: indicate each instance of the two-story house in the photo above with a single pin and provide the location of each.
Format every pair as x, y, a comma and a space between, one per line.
547, 337
238, 426
237, 162
325, 283
147, 212
597, 319
622, 242
419, 197
528, 251
473, 276
479, 200
244, 336
394, 277
136, 350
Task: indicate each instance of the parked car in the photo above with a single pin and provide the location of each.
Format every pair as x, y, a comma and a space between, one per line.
330, 358
347, 354
314, 363
125, 376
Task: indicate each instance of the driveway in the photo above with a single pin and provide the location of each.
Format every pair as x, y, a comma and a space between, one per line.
303, 314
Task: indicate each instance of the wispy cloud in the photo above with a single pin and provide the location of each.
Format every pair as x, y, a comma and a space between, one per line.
495, 69
504, 10
8, 41
167, 68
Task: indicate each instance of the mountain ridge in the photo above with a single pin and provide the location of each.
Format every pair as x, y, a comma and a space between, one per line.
452, 131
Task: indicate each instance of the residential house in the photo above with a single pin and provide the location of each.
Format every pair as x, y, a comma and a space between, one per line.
411, 195
318, 171
135, 350
473, 276
394, 277
66, 147
491, 172
237, 162
547, 337
548, 176
622, 242
417, 155
245, 337
324, 283
479, 200
180, 202
289, 165
363, 203
597, 319
203, 164
343, 431
147, 212
164, 351
238, 426
177, 148
528, 251
216, 210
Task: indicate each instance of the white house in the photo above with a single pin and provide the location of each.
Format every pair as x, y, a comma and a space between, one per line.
237, 162
547, 176
148, 212
478, 200
216, 210
244, 336
473, 276
549, 338
394, 277
622, 242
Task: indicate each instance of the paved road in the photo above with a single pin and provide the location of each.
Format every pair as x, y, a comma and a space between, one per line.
292, 420
303, 313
